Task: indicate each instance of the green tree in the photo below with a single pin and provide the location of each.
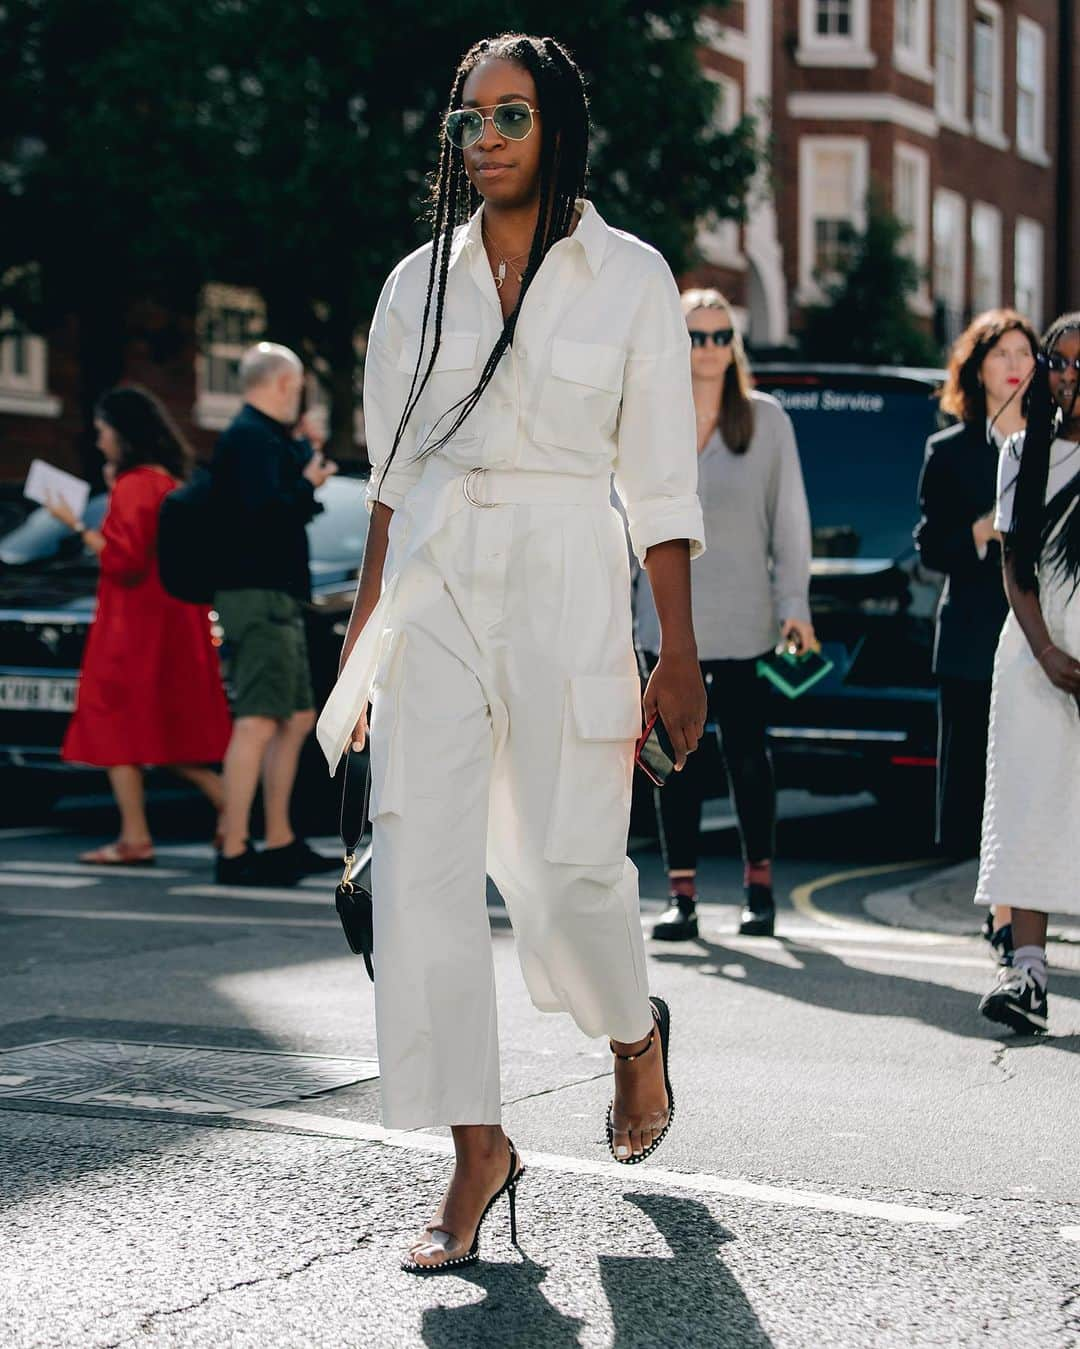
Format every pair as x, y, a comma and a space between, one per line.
866, 315
150, 146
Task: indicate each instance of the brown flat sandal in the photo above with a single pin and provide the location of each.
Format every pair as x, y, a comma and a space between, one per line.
120, 854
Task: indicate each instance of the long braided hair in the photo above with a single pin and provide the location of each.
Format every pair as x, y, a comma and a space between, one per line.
1034, 519
564, 149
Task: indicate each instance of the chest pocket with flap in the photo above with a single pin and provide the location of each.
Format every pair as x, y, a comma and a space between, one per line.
579, 401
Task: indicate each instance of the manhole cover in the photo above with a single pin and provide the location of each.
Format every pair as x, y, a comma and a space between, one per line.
187, 1078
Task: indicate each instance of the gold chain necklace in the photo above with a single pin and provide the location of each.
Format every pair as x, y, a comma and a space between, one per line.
500, 272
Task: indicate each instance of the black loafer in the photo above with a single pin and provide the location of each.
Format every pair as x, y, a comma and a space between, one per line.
759, 912
679, 923
240, 870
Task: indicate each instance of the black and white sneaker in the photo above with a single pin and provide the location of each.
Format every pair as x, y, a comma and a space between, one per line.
1017, 1000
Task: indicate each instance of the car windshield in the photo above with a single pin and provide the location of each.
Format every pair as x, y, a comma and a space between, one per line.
41, 537
861, 447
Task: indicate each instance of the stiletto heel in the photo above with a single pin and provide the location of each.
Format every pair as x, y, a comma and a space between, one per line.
662, 1018
509, 1187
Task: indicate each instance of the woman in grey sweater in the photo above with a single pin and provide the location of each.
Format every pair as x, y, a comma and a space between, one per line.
750, 588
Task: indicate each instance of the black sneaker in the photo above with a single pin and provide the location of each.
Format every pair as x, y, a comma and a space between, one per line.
679, 923
241, 870
1017, 1000
759, 912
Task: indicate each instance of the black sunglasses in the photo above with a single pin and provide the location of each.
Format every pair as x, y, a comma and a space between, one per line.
1058, 364
722, 337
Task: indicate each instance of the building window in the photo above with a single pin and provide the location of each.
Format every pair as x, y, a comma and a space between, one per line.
950, 254
912, 38
231, 318
988, 72
833, 180
911, 204
718, 239
834, 33
950, 63
1028, 270
985, 256
24, 372
1031, 89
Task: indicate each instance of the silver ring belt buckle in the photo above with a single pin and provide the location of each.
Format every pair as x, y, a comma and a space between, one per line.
466, 487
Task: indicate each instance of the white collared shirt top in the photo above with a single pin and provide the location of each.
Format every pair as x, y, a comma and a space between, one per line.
597, 379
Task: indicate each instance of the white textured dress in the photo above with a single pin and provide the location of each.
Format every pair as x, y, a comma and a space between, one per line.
1030, 854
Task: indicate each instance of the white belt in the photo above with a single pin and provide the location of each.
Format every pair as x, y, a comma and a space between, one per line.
430, 505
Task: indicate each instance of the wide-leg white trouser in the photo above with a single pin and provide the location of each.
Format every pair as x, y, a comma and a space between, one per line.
505, 707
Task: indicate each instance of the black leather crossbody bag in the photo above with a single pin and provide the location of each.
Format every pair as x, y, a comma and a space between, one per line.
352, 900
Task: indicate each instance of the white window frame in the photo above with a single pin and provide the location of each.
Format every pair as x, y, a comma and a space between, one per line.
25, 391
991, 130
215, 408
1033, 147
809, 147
914, 59
718, 240
983, 213
851, 50
951, 104
1030, 233
917, 240
953, 294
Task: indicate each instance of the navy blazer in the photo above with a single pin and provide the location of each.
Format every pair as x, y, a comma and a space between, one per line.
957, 486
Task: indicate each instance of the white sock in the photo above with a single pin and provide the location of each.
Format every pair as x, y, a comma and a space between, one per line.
1032, 959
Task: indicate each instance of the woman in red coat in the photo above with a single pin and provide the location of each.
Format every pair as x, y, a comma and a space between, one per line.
150, 690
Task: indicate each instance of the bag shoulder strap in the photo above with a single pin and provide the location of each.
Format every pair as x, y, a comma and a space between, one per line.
352, 822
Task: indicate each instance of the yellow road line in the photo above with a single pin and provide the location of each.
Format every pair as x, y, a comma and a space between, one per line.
802, 896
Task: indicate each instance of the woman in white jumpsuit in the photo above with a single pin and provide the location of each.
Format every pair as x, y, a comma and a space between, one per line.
492, 629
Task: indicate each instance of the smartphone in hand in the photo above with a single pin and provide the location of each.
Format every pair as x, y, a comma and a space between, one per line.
655, 754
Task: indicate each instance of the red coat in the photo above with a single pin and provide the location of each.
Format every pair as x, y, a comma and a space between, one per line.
150, 690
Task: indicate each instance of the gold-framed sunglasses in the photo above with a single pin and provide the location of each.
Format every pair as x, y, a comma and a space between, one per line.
513, 121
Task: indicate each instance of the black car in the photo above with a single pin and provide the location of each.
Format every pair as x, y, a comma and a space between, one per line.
871, 724
47, 584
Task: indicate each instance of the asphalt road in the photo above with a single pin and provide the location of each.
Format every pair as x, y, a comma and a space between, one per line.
190, 1151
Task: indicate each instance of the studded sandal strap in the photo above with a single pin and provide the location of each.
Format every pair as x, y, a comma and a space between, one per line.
629, 1058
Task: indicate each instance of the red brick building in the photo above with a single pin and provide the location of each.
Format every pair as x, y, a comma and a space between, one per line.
954, 108
951, 107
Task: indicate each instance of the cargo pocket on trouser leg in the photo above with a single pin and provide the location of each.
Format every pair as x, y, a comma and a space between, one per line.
384, 740
590, 809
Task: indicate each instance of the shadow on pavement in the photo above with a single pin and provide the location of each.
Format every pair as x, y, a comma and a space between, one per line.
685, 1299
825, 980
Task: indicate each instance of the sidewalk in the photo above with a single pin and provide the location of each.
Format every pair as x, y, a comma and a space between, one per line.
943, 903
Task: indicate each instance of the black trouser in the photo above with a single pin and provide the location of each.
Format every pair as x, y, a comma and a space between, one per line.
737, 706
963, 720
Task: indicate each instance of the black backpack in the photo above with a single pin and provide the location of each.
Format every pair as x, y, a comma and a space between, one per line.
187, 531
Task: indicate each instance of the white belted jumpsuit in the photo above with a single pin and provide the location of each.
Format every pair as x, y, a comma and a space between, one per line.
499, 662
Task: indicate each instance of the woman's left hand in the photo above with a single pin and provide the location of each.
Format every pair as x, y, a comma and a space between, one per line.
801, 633
675, 692
60, 510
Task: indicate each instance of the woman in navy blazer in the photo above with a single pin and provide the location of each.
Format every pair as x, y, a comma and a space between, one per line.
989, 369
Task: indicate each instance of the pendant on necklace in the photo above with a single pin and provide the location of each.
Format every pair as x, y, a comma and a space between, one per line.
500, 276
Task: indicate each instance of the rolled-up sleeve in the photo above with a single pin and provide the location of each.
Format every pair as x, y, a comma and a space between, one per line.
386, 389
656, 470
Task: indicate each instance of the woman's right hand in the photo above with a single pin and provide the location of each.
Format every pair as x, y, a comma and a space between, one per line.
360, 730
1061, 670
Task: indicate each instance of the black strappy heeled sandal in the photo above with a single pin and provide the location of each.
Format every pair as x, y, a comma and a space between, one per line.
662, 1016
472, 1255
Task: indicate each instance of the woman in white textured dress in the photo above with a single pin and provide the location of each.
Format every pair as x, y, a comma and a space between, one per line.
1031, 827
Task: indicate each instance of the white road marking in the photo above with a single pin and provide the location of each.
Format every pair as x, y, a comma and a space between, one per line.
48, 882
134, 916
648, 1175
37, 832
260, 893
88, 869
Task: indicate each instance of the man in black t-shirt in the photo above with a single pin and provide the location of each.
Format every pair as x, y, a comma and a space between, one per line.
264, 486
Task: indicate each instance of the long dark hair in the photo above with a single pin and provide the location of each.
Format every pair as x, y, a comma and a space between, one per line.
145, 431
564, 149
1034, 518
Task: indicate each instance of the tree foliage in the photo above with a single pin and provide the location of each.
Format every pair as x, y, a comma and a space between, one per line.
149, 146
866, 315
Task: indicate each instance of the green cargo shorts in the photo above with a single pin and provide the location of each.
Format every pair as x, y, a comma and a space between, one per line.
267, 667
